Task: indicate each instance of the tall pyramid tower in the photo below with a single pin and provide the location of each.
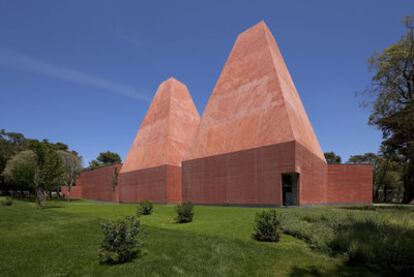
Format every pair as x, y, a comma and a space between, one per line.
253, 130
152, 169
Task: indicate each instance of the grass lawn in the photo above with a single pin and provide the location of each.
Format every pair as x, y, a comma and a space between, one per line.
63, 240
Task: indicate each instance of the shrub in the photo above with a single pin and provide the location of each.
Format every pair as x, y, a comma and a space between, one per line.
379, 243
145, 208
7, 202
119, 244
267, 226
184, 212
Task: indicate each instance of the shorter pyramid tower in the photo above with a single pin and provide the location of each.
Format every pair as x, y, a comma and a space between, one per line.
254, 130
152, 169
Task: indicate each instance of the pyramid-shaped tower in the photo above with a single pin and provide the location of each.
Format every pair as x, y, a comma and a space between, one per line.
152, 169
254, 129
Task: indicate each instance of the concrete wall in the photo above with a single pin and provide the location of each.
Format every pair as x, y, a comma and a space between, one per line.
313, 176
349, 184
248, 177
161, 184
75, 193
97, 184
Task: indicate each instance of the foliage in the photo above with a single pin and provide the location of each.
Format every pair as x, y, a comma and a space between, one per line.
120, 244
10, 144
184, 212
104, 159
145, 208
392, 89
379, 243
332, 158
7, 201
373, 238
72, 167
39, 169
267, 226
21, 170
49, 169
367, 158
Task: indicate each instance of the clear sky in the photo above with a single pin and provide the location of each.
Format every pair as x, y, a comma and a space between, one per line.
84, 72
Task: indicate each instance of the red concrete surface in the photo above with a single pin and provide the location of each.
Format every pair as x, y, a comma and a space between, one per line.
161, 184
75, 192
254, 102
313, 176
97, 184
167, 129
249, 177
349, 184
152, 169
253, 129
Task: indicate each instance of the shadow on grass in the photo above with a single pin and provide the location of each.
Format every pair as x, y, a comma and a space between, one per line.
380, 207
377, 243
341, 270
53, 206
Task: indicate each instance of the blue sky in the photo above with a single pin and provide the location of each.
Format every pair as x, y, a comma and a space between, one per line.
84, 72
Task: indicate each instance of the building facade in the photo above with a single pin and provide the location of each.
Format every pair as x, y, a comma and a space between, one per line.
254, 144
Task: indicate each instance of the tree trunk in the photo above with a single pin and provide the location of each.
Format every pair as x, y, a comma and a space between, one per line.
40, 197
69, 189
409, 183
376, 193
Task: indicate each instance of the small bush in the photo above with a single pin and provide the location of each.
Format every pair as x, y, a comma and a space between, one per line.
7, 202
145, 208
184, 212
119, 244
267, 226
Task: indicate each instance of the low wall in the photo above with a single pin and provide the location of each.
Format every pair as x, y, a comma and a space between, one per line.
97, 184
75, 192
247, 177
161, 184
349, 184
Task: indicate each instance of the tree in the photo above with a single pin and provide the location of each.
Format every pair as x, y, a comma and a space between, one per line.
72, 167
49, 171
10, 144
367, 158
21, 170
392, 89
332, 158
49, 167
104, 159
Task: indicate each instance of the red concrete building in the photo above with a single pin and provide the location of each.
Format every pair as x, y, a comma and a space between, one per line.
152, 169
254, 144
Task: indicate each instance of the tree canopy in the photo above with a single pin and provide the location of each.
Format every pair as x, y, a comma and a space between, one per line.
72, 165
392, 89
35, 166
104, 159
332, 158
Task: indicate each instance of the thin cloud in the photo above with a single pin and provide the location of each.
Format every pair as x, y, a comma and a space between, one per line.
23, 62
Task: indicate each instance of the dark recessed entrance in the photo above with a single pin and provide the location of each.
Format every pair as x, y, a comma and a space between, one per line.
290, 189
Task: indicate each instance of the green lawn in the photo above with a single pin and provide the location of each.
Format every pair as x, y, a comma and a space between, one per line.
63, 240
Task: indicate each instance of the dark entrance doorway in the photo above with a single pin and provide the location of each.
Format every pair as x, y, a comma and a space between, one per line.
290, 189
